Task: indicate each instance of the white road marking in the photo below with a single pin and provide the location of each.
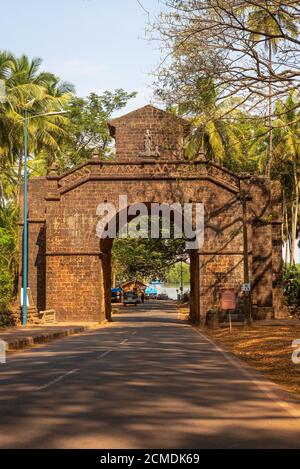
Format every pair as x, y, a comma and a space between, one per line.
108, 351
59, 378
264, 385
104, 354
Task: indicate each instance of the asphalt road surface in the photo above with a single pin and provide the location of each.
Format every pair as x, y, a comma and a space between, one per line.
147, 380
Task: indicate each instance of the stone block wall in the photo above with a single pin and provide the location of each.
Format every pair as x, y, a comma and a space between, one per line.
167, 133
69, 269
37, 190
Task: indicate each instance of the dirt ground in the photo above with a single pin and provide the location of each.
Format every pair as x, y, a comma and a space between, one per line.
268, 348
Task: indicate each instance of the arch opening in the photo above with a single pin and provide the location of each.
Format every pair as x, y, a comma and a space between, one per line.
134, 255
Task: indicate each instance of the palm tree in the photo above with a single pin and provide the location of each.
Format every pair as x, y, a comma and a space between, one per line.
286, 127
270, 19
39, 92
218, 127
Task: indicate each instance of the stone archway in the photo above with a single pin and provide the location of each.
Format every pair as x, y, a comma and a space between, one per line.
69, 272
118, 220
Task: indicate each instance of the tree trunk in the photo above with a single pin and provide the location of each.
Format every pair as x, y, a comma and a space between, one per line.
286, 229
295, 211
113, 278
270, 116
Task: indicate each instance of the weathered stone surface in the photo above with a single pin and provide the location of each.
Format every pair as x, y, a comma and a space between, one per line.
69, 269
167, 133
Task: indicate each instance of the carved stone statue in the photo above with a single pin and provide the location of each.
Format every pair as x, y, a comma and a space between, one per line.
148, 141
148, 152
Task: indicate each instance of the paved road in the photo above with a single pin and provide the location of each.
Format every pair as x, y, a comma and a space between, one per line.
146, 380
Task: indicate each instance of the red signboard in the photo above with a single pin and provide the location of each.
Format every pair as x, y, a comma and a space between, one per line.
228, 298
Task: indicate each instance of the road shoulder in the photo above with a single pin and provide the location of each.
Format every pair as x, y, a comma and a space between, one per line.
264, 348
19, 338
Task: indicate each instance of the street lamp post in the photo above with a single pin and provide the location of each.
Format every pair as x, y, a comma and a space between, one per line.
25, 206
3, 100
25, 229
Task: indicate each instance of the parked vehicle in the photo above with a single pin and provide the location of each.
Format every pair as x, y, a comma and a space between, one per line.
130, 298
162, 296
115, 295
151, 293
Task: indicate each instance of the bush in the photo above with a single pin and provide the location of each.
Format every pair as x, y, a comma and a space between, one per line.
6, 273
291, 286
6, 288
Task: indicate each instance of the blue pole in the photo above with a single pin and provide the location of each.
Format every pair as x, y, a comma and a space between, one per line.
25, 230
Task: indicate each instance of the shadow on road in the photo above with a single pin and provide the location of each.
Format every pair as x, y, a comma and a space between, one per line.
152, 311
147, 380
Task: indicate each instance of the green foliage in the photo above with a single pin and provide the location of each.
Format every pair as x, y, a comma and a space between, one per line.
145, 258
222, 129
7, 271
271, 21
173, 275
39, 92
87, 128
291, 277
6, 287
67, 138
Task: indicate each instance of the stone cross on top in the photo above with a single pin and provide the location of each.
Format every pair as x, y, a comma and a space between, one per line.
147, 133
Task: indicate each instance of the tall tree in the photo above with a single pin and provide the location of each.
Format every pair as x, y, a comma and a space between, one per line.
87, 128
266, 25
213, 38
39, 92
217, 126
145, 258
286, 126
26, 87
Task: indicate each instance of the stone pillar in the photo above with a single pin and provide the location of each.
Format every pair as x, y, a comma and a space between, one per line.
262, 268
277, 260
105, 285
277, 265
73, 266
195, 286
37, 262
192, 287
37, 189
266, 215
74, 286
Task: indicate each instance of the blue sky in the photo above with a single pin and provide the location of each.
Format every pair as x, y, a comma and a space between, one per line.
96, 44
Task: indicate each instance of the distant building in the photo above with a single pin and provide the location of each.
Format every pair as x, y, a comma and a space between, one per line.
135, 285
